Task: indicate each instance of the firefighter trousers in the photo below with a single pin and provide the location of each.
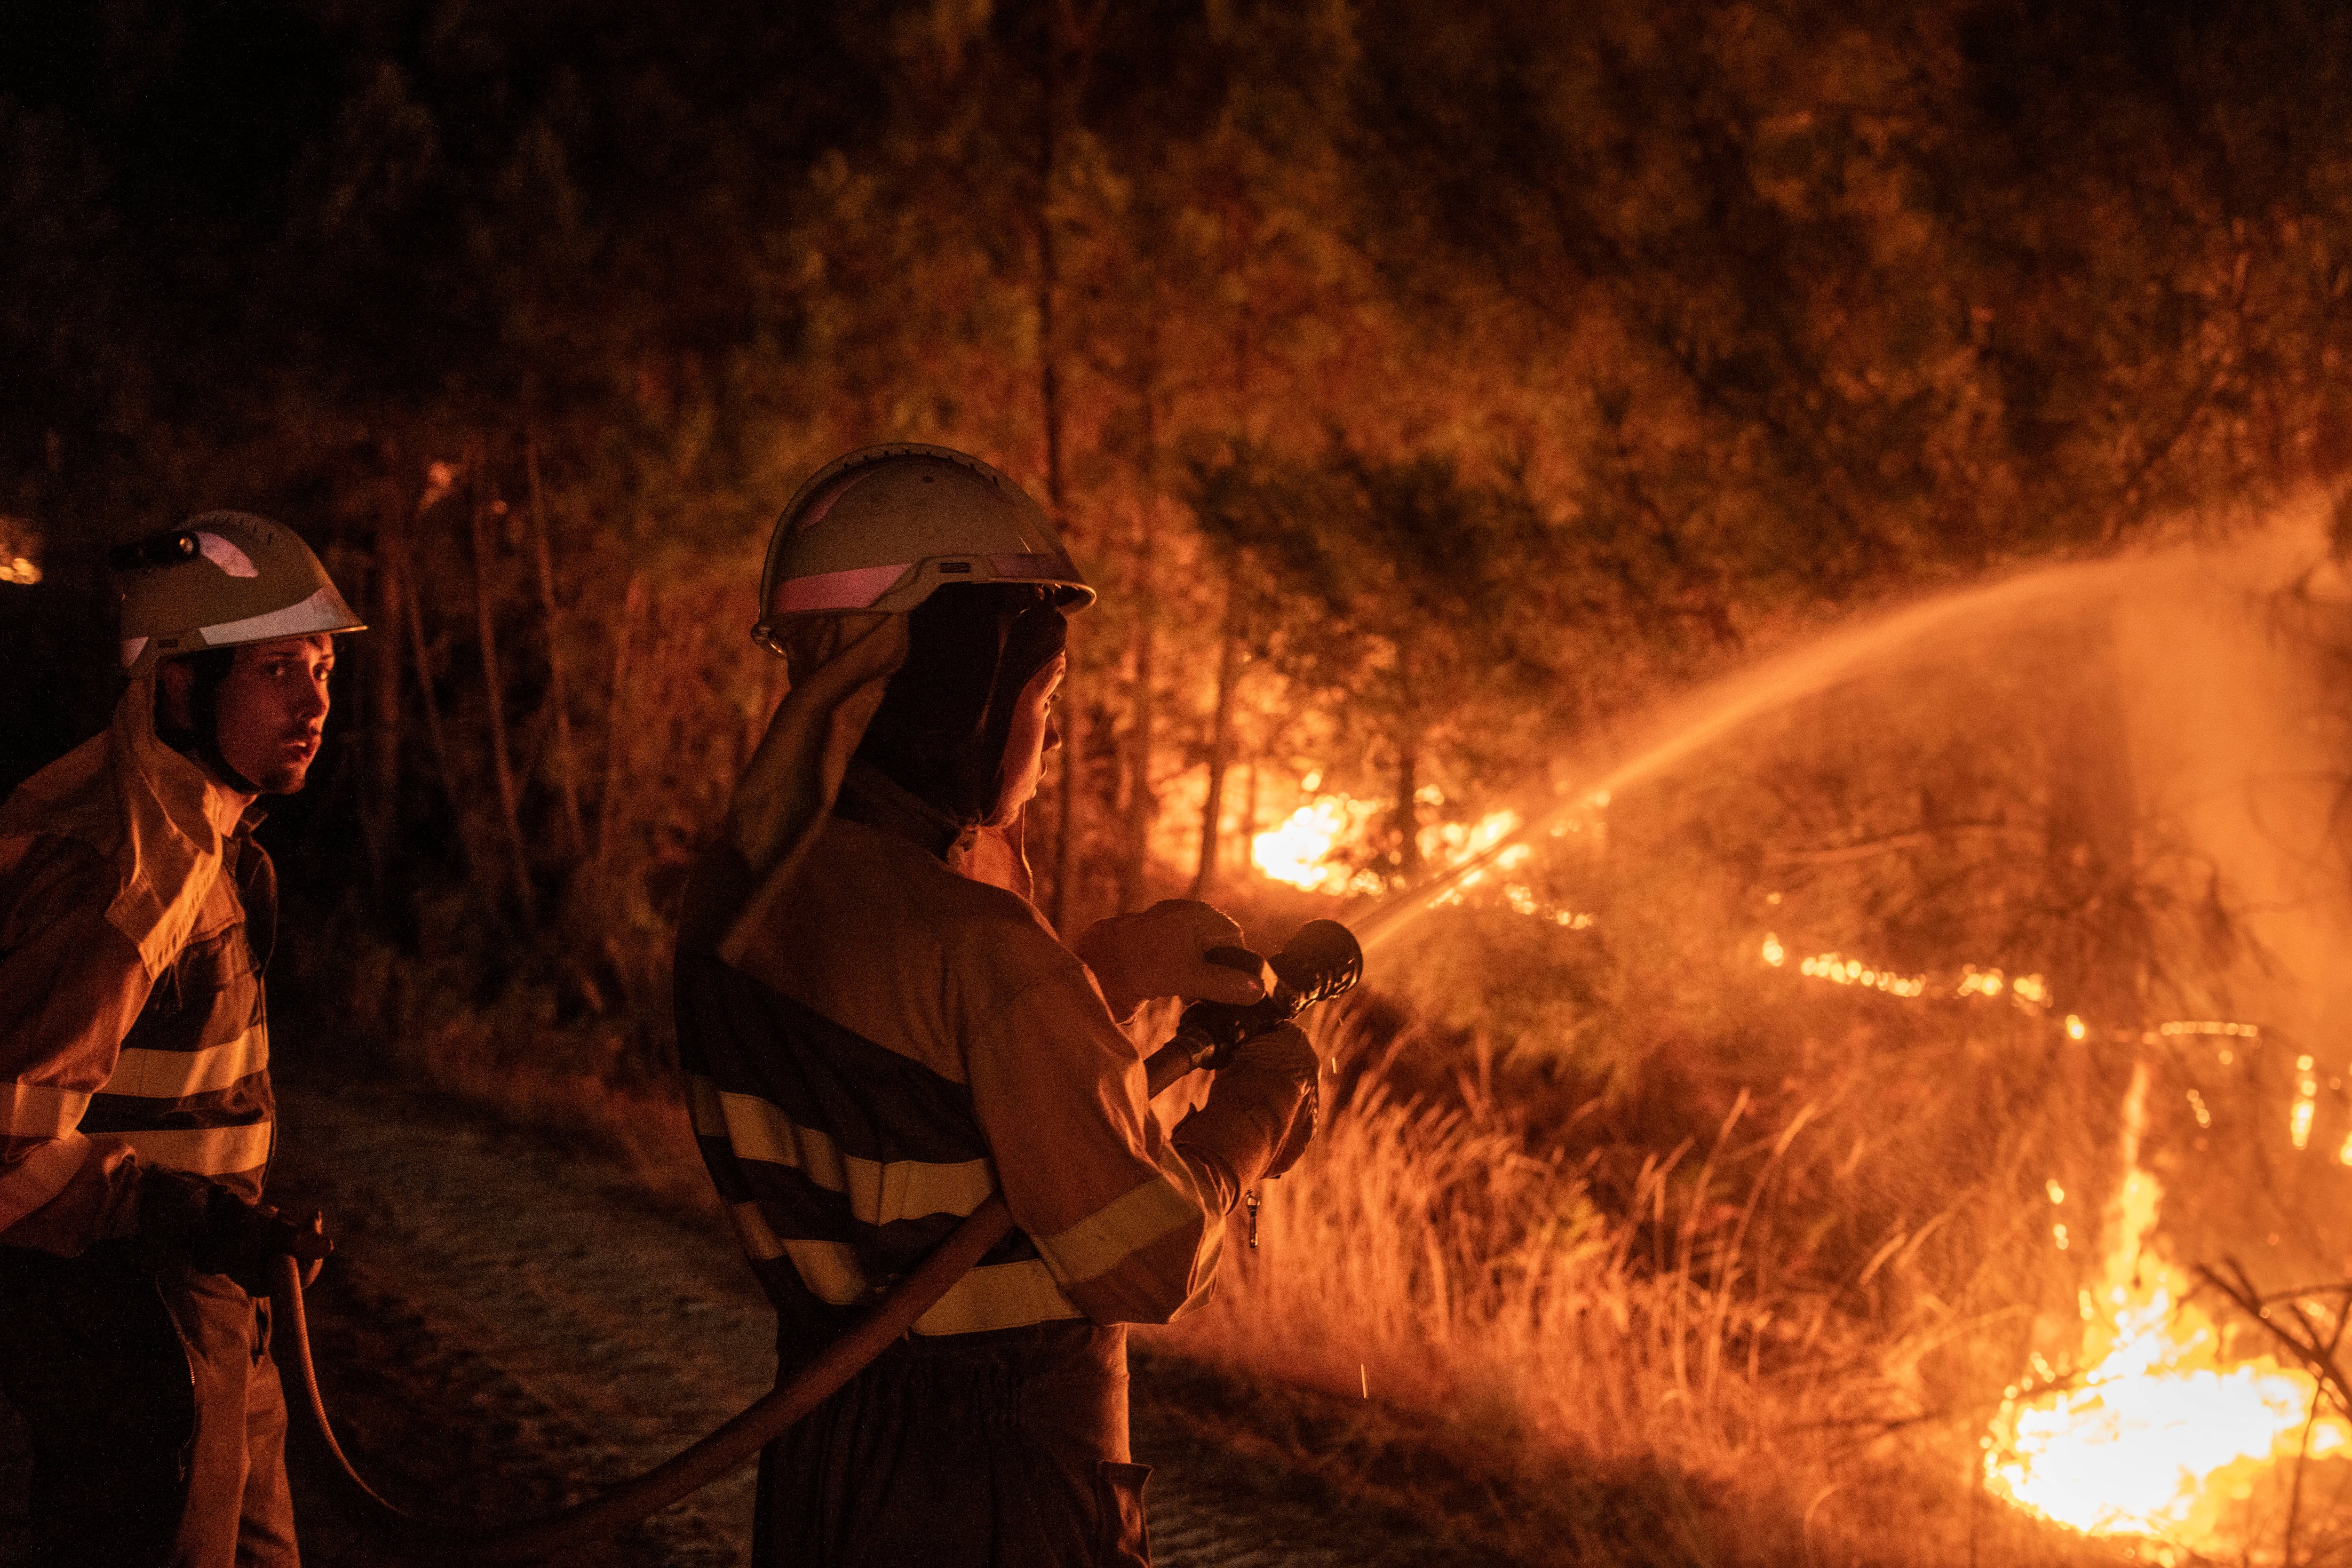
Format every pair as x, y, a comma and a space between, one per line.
157, 1424
999, 1450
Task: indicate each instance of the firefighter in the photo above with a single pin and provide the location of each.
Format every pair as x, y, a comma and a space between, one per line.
136, 915
879, 1029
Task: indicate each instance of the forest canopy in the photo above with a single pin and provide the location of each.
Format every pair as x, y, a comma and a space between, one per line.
1422, 384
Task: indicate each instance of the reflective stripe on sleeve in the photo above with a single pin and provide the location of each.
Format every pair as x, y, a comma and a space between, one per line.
829, 1268
37, 1110
879, 1191
1107, 1238
175, 1075
997, 1296
40, 1175
750, 1227
206, 1151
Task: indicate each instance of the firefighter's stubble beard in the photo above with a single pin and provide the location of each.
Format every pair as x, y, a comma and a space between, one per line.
1032, 735
264, 723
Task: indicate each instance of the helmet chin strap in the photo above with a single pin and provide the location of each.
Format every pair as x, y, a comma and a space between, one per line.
202, 741
208, 747
208, 752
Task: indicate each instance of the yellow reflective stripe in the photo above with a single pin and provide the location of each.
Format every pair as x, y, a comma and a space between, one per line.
829, 1268
39, 1176
999, 1296
206, 1151
879, 1191
1108, 1236
37, 1111
172, 1075
751, 1230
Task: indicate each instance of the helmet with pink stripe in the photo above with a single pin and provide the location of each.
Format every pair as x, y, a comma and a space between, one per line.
885, 527
219, 579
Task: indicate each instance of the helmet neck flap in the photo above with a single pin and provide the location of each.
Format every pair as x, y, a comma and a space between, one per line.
946, 717
209, 671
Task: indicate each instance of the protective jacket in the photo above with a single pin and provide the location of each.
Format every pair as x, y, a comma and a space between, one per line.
901, 1043
136, 913
894, 1041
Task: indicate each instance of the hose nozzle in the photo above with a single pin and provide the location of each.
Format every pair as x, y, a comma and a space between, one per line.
1322, 961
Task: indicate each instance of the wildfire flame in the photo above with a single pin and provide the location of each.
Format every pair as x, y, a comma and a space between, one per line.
2165, 1431
1301, 850
1309, 848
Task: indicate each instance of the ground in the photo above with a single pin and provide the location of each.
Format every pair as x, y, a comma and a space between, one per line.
508, 1325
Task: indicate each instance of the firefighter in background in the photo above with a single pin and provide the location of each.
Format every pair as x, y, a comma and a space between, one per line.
879, 1029
136, 915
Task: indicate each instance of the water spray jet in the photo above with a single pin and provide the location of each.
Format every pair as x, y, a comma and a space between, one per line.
1720, 707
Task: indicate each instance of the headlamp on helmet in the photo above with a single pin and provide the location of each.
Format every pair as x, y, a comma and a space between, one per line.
221, 580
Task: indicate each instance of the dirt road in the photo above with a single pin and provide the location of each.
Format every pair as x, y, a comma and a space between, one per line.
508, 1327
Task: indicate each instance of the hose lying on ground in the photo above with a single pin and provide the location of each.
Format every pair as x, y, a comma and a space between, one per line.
1321, 962
759, 1422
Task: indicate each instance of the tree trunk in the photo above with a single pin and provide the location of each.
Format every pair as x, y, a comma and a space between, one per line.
567, 771
1220, 745
383, 654
1072, 771
421, 656
1141, 805
1408, 804
608, 804
486, 636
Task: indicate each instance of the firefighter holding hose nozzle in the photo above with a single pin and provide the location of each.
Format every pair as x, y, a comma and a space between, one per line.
136, 1119
880, 1032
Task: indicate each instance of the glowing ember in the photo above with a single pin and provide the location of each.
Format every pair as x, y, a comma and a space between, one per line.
2163, 1434
2210, 1026
2027, 991
1843, 970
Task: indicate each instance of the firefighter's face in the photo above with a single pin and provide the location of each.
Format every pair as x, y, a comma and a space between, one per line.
269, 712
1033, 735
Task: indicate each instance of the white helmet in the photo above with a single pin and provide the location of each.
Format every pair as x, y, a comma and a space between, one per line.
219, 579
883, 527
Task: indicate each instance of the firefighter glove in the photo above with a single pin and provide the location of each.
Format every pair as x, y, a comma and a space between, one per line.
183, 1218
1262, 1111
1162, 952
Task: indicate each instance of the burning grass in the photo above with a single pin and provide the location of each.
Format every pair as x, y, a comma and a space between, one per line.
1453, 1310
1426, 1260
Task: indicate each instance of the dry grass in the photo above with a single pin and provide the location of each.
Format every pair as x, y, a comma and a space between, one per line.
1421, 1257
1566, 1381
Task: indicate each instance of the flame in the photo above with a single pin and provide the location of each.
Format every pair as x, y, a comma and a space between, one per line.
1309, 849
1299, 850
2165, 1432
1840, 970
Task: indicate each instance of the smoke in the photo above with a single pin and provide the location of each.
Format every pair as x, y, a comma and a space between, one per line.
2238, 748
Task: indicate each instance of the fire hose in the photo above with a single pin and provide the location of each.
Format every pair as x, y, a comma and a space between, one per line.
1321, 961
